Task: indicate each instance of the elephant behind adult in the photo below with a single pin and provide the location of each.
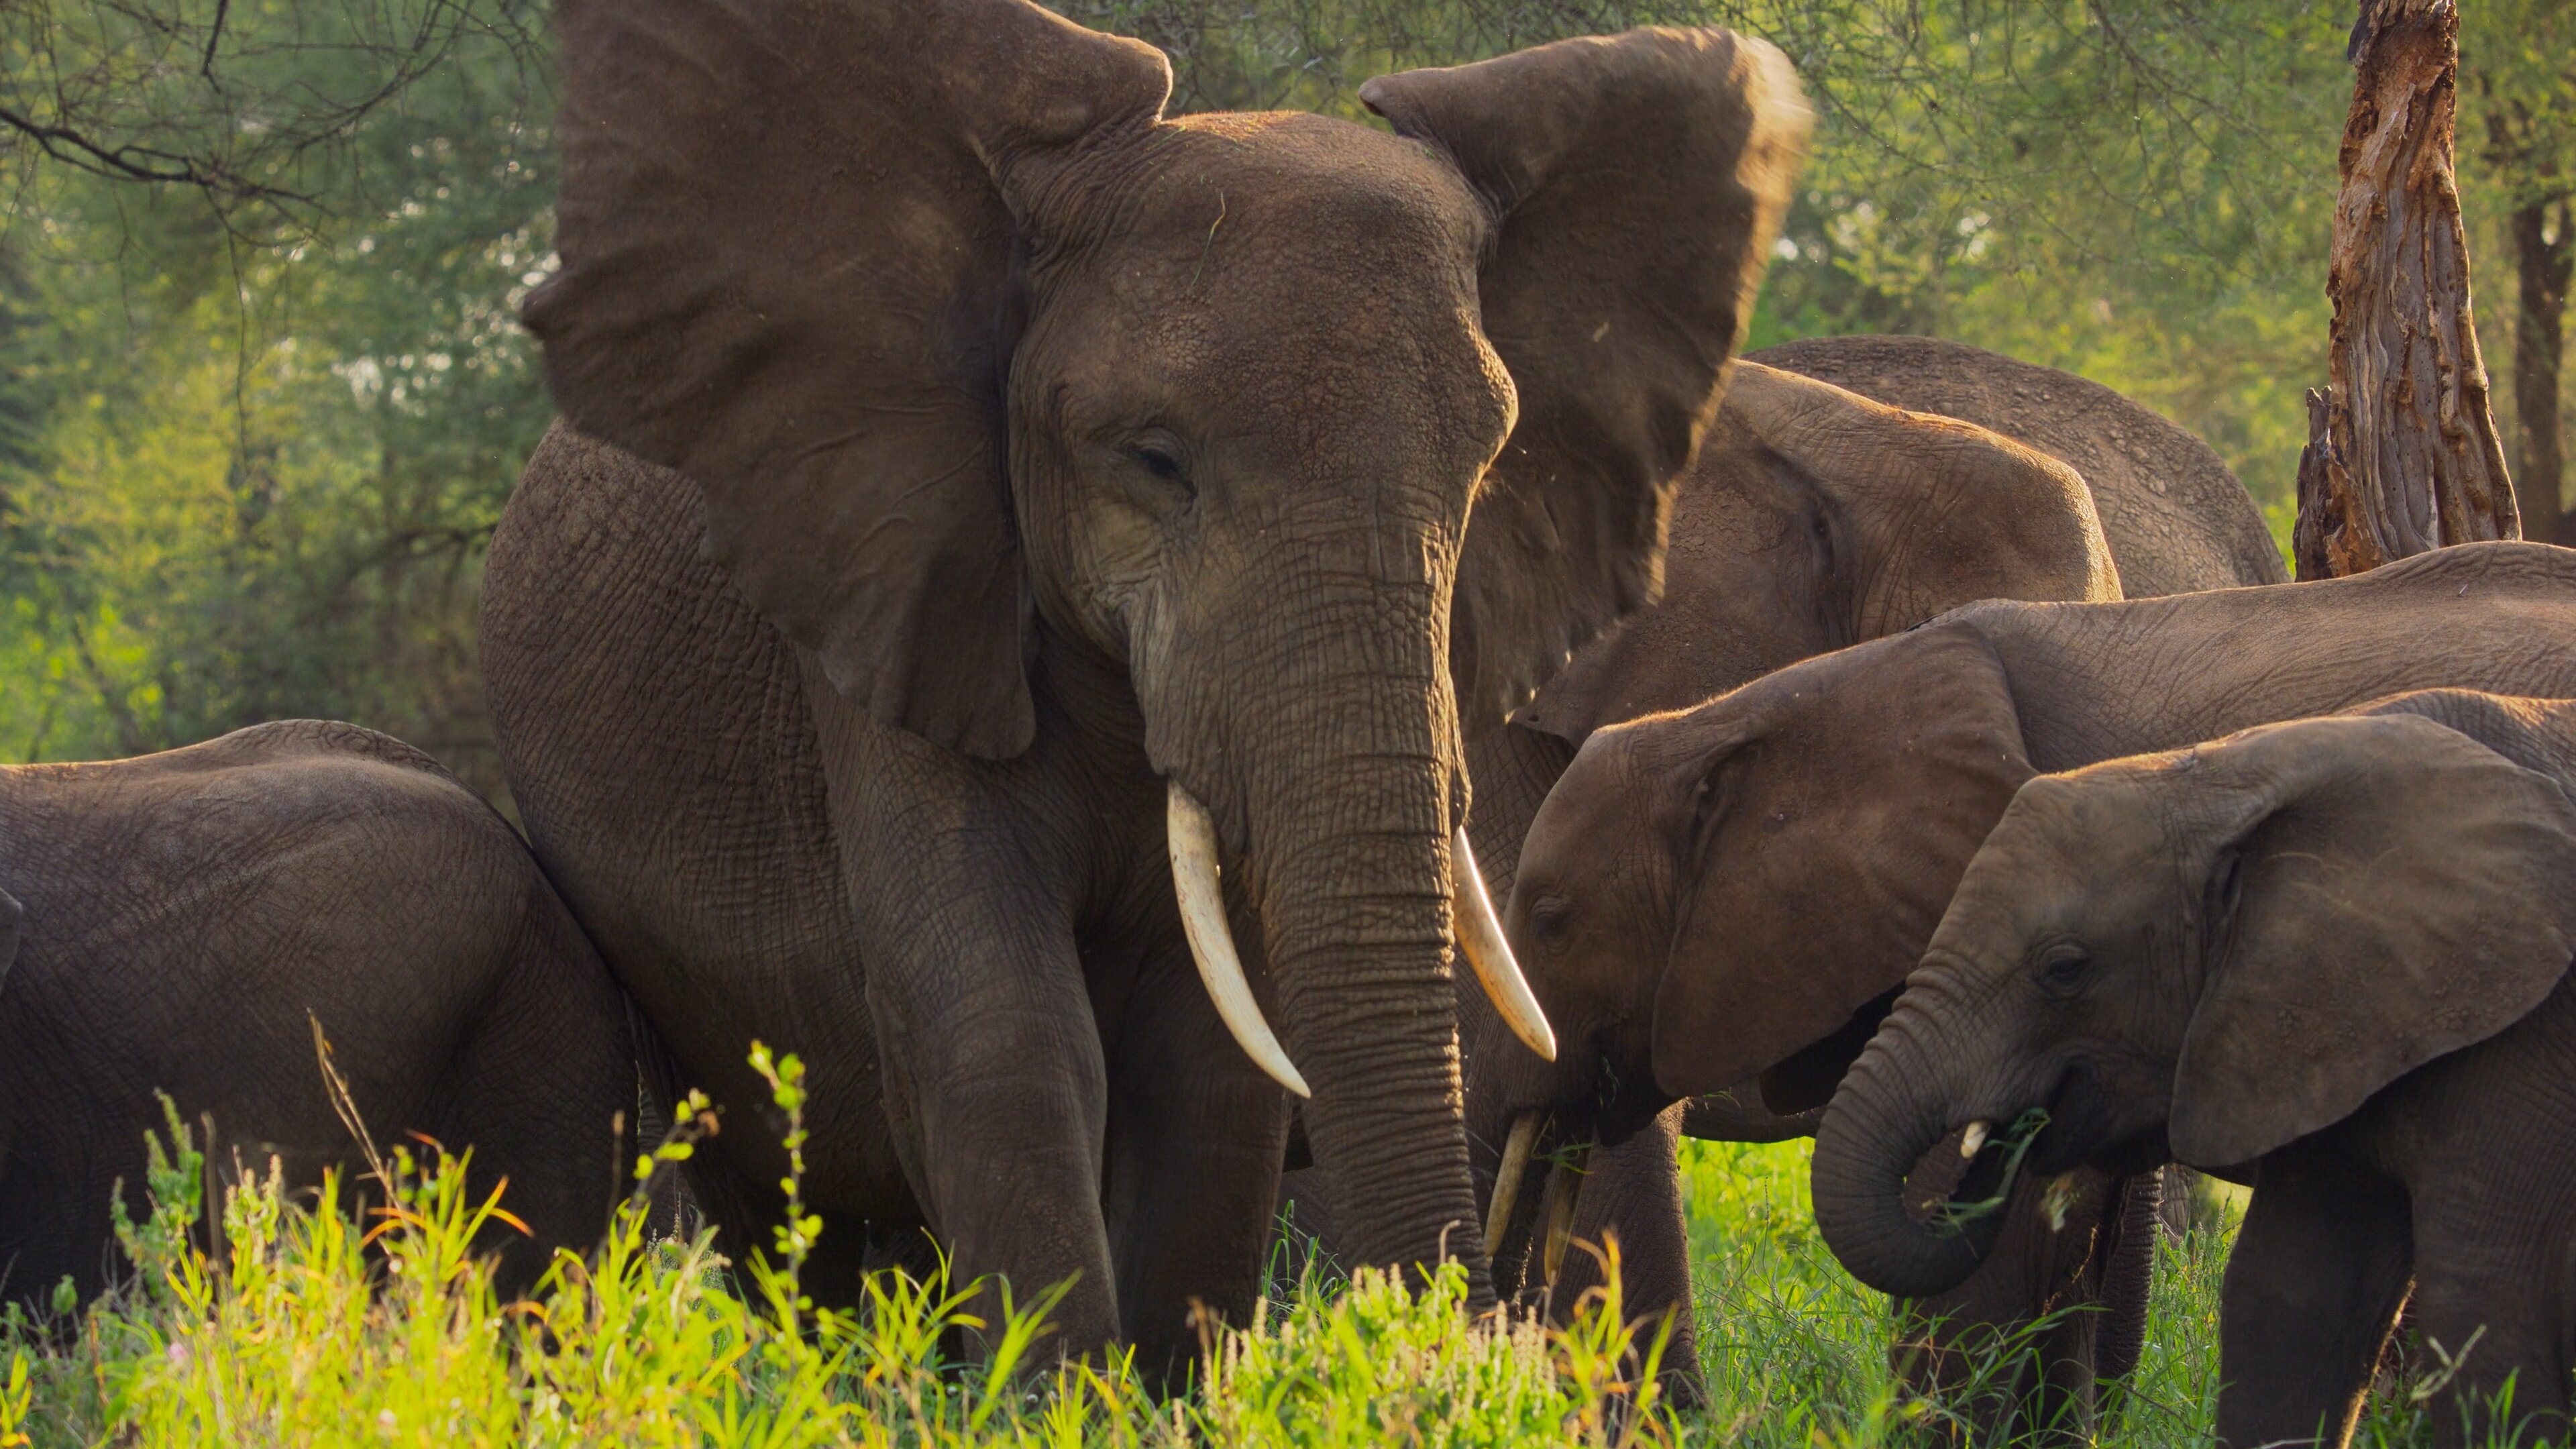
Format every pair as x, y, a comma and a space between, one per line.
187, 918
1085, 498
2328, 958
2177, 517
1739, 888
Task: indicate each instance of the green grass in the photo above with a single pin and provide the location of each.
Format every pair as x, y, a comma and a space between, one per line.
310, 1325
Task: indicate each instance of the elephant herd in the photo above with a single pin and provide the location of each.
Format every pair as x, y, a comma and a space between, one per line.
1192, 664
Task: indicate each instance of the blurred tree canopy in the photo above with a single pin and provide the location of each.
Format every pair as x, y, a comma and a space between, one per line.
261, 396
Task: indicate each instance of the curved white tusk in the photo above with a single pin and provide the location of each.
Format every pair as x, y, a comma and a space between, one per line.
1507, 1177
1974, 1138
1194, 871
1480, 940
1564, 1194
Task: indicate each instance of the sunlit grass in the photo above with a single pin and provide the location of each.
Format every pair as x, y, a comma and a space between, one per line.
310, 1322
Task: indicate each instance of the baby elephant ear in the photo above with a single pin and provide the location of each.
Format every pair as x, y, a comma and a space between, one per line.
2380, 891
786, 274
1636, 183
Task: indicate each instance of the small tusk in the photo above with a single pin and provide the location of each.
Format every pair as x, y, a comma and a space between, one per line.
1194, 873
1974, 1139
2057, 1200
1480, 940
1564, 1190
1507, 1177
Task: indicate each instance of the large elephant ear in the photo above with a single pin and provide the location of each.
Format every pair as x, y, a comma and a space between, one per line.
1814, 518
1922, 513
2380, 891
1636, 183
786, 274
1839, 804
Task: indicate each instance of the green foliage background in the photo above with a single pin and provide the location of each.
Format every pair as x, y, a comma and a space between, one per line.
256, 426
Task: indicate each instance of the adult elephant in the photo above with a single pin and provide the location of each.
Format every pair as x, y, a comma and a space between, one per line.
1085, 498
1817, 517
1740, 889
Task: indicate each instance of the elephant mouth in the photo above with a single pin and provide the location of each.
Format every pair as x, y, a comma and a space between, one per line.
1969, 1175
1556, 1147
1538, 1183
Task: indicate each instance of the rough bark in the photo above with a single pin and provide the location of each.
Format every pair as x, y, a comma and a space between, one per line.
2402, 451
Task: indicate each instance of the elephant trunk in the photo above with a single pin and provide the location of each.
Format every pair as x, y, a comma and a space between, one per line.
1357, 935
1887, 1114
1313, 720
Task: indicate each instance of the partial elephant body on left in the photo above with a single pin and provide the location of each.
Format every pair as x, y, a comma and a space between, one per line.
186, 919
2328, 957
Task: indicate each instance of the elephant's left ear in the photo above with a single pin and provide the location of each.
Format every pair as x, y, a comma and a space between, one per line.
1636, 183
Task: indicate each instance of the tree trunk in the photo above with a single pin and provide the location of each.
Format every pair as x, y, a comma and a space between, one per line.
2402, 451
2544, 255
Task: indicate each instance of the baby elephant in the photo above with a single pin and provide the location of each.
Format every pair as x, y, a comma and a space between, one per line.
166, 924
2327, 958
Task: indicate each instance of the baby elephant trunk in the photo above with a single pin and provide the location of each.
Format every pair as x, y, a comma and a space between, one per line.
1881, 1123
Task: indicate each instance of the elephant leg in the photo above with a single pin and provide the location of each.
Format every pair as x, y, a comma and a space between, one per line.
1634, 1191
1196, 1132
2499, 1316
997, 1084
994, 1082
2320, 1267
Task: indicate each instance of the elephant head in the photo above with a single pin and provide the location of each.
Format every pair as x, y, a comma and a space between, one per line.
1812, 519
1815, 518
979, 360
2211, 953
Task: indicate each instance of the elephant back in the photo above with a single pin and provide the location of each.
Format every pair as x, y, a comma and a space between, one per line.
2177, 519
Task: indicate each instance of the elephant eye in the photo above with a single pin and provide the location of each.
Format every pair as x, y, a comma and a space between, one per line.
1551, 918
2064, 967
1160, 461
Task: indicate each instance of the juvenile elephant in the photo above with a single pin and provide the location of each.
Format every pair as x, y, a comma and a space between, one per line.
2328, 958
1065, 499
178, 916
1739, 888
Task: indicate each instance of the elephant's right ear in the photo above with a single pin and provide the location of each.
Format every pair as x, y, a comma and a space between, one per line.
787, 274
2380, 891
1842, 800
1636, 183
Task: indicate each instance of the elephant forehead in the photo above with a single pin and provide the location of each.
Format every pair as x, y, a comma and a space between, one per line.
1282, 227
1316, 299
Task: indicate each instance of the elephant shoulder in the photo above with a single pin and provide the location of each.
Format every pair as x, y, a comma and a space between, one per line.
2176, 517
